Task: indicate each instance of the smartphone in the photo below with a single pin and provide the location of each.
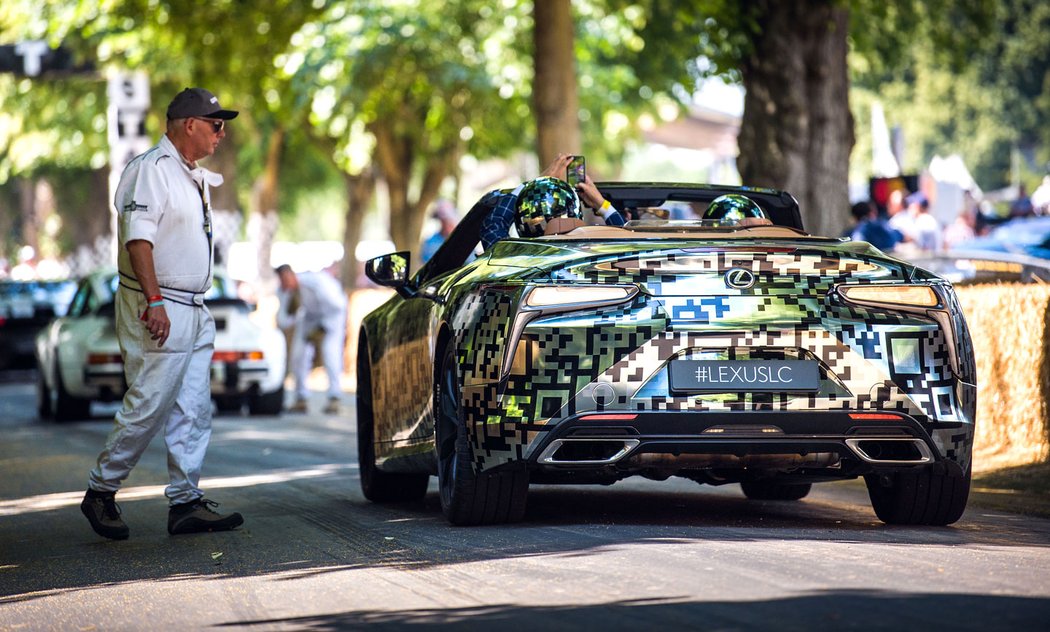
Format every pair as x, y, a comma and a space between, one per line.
576, 172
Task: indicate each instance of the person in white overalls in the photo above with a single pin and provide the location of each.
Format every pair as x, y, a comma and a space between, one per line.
165, 331
313, 305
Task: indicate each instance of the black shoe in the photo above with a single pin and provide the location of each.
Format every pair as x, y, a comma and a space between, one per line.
198, 517
104, 515
332, 407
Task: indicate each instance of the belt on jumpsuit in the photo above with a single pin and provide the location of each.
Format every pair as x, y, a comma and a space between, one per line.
175, 295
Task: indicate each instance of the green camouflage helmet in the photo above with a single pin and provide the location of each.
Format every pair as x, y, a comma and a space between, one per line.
540, 201
733, 208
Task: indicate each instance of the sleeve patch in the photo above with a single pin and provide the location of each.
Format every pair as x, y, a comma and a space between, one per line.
134, 206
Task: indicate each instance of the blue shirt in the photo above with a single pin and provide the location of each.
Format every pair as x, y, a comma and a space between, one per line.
497, 225
878, 234
430, 246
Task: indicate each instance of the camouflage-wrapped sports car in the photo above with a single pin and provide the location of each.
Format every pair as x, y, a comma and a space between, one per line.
719, 352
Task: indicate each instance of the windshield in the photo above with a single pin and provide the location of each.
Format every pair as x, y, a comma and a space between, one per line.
694, 225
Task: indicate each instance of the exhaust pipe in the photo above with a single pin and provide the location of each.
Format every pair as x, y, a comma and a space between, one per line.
586, 451
891, 451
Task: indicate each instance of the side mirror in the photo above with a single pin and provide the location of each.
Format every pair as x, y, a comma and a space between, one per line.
390, 270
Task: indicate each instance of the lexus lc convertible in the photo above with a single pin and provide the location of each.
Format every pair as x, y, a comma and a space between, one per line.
721, 352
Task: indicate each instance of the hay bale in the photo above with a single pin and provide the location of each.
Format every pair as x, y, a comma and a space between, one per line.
1009, 326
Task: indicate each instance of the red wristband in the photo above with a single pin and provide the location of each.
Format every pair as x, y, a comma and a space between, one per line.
154, 298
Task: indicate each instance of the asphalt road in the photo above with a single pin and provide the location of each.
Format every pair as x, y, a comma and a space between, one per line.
314, 555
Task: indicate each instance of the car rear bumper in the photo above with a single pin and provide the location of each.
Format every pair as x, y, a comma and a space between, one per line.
229, 379
239, 378
832, 444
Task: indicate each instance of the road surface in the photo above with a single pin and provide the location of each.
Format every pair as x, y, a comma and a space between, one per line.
638, 555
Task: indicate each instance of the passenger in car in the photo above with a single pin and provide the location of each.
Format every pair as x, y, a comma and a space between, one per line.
534, 204
737, 210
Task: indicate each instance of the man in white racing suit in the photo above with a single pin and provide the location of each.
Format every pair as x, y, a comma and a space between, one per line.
313, 308
166, 333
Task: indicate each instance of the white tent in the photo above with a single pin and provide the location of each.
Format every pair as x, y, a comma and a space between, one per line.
883, 162
952, 180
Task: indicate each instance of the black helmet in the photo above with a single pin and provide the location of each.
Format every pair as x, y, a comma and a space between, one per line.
733, 208
540, 201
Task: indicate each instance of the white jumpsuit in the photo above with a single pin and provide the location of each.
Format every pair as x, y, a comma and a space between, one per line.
322, 304
162, 200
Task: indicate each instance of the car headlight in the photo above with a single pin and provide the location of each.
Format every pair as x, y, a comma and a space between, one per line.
566, 295
899, 295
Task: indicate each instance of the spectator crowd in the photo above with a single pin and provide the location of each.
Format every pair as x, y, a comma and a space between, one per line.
906, 227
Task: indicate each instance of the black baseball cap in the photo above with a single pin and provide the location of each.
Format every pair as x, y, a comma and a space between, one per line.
197, 102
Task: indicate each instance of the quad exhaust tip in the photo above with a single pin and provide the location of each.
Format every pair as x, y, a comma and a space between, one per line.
586, 451
891, 451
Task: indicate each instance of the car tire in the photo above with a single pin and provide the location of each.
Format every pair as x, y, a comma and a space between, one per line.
228, 403
44, 407
376, 485
469, 497
69, 407
266, 403
925, 497
772, 490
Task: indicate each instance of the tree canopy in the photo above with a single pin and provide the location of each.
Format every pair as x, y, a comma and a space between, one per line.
403, 89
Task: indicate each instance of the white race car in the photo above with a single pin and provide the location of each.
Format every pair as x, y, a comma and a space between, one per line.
79, 358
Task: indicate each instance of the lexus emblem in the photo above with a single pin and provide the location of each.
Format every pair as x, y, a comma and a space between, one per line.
739, 279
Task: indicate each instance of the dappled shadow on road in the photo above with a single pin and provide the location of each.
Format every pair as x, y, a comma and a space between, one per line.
306, 528
867, 610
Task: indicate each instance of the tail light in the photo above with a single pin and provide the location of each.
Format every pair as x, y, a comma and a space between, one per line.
896, 295
234, 356
875, 416
609, 417
104, 358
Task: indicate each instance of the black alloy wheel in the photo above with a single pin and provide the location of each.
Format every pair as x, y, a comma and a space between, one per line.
469, 497
68, 407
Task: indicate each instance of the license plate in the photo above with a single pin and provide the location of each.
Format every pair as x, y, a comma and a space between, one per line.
744, 375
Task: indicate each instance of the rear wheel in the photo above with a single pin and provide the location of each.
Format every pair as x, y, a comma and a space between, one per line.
266, 403
469, 497
924, 497
44, 408
377, 485
68, 407
772, 490
228, 404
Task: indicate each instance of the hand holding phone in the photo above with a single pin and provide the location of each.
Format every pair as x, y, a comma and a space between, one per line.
576, 172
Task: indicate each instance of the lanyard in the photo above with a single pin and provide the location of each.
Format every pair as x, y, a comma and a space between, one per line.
205, 208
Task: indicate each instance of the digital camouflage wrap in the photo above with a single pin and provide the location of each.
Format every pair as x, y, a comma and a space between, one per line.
525, 371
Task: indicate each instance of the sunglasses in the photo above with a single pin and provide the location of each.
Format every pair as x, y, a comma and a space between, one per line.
216, 126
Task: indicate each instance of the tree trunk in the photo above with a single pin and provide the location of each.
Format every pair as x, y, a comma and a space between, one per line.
359, 192
796, 133
94, 225
395, 156
30, 225
224, 162
554, 86
263, 223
